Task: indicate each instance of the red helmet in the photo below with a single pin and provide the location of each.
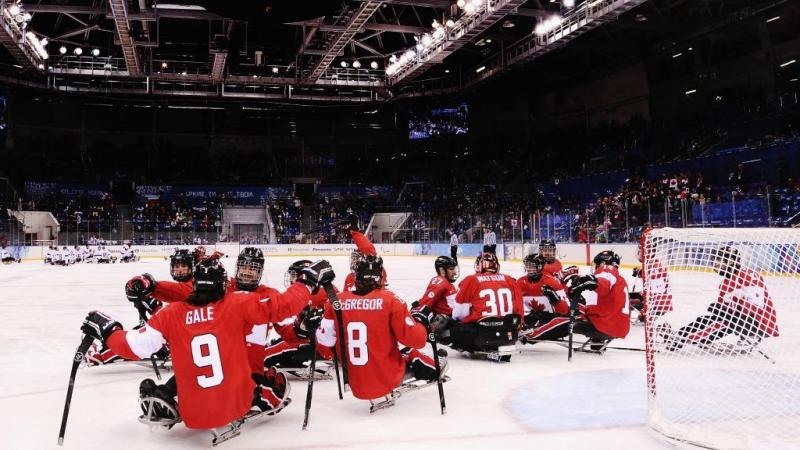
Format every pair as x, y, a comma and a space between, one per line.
487, 262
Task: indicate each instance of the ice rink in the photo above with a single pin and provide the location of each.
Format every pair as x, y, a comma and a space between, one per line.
539, 400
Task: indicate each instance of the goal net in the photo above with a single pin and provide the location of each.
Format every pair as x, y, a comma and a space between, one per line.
722, 330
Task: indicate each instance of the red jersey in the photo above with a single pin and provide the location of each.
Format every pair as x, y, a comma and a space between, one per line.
172, 291
440, 296
553, 268
209, 356
608, 307
285, 328
374, 324
745, 290
487, 295
656, 287
534, 299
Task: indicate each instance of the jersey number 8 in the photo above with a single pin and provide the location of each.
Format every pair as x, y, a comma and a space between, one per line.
357, 343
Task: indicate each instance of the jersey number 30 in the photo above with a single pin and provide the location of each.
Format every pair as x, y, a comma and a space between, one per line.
497, 305
205, 353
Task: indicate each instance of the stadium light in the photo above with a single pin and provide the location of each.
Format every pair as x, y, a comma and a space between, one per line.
788, 63
691, 91
78, 51
569, 3
374, 65
449, 23
95, 52
164, 64
461, 4
343, 64
427, 40
548, 25
480, 69
677, 55
62, 50
276, 70
13, 9
357, 64
435, 24
773, 19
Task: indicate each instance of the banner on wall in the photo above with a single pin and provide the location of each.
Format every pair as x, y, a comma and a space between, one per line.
37, 190
241, 195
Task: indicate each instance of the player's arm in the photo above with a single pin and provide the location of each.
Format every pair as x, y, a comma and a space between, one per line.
407, 331
171, 291
557, 295
463, 304
131, 345
362, 243
516, 298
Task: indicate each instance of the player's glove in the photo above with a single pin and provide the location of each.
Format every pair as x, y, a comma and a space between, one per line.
637, 272
317, 274
99, 325
140, 286
423, 315
551, 295
569, 271
578, 284
307, 321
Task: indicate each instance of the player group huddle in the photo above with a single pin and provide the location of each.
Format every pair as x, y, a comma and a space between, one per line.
214, 328
101, 255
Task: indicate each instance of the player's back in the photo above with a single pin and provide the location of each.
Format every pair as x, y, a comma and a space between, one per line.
490, 295
209, 358
609, 309
373, 325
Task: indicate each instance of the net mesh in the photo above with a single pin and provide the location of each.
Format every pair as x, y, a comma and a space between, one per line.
722, 357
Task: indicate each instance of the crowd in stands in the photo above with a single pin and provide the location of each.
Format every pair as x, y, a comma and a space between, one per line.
178, 215
79, 213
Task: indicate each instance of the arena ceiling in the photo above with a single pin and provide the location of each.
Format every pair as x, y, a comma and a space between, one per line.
343, 50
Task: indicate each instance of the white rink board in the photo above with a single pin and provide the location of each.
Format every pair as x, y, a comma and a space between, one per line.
539, 400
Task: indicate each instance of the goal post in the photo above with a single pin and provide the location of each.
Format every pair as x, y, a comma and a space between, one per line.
722, 336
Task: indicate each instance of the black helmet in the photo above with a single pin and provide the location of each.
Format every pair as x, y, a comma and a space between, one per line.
725, 260
443, 263
181, 257
608, 257
534, 264
547, 248
368, 273
210, 282
487, 262
249, 258
294, 271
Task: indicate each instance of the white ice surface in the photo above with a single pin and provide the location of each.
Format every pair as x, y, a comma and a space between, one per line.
539, 400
